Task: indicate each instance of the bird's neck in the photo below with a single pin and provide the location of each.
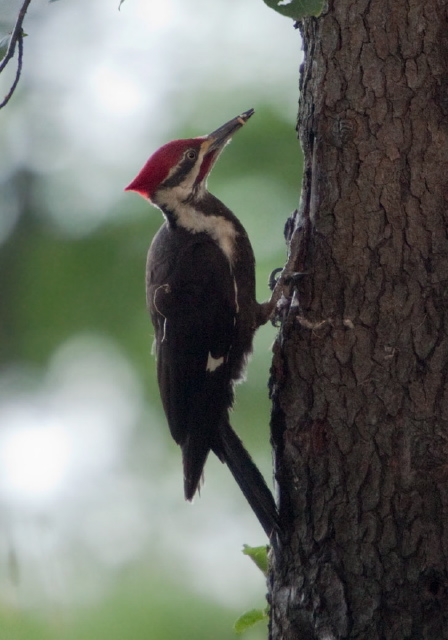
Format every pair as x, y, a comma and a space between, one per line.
202, 213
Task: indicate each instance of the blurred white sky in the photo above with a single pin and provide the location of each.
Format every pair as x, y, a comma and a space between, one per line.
101, 89
105, 88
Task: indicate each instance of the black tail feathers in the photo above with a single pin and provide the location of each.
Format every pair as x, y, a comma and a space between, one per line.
231, 450
194, 456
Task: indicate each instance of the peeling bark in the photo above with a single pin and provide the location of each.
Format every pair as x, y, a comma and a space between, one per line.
360, 372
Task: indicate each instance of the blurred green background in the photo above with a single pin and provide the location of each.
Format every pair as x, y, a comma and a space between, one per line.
96, 540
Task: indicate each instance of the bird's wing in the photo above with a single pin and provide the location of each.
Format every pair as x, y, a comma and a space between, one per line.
193, 306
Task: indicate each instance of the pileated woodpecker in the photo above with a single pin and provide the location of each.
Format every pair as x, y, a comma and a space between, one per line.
200, 286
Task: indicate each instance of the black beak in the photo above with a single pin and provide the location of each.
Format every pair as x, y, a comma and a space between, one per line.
222, 135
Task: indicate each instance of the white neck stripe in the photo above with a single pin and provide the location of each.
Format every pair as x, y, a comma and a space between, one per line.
221, 230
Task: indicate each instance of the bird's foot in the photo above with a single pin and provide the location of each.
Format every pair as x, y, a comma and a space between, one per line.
274, 278
284, 295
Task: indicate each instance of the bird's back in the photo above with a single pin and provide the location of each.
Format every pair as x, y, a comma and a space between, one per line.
194, 312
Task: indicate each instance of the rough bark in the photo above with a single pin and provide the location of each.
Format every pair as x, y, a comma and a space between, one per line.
360, 373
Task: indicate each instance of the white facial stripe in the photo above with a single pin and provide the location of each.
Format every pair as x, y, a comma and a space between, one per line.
190, 178
213, 363
189, 181
221, 230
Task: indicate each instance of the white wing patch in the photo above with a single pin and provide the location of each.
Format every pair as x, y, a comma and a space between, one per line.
213, 363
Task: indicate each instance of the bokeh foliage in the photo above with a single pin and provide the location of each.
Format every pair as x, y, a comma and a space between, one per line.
55, 285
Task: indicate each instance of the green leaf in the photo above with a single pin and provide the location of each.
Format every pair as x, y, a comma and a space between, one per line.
249, 618
296, 9
259, 555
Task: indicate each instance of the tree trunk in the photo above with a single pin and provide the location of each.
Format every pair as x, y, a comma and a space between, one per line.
359, 379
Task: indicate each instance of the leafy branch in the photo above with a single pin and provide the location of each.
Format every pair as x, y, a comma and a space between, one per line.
15, 40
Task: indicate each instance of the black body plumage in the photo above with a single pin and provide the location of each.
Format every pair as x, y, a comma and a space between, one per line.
200, 283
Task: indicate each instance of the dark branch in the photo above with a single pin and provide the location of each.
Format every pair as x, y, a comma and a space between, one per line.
18, 72
16, 39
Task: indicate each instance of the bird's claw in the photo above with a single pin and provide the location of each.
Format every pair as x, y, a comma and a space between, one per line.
285, 298
274, 278
280, 310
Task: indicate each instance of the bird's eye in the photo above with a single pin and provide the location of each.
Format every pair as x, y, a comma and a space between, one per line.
191, 154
